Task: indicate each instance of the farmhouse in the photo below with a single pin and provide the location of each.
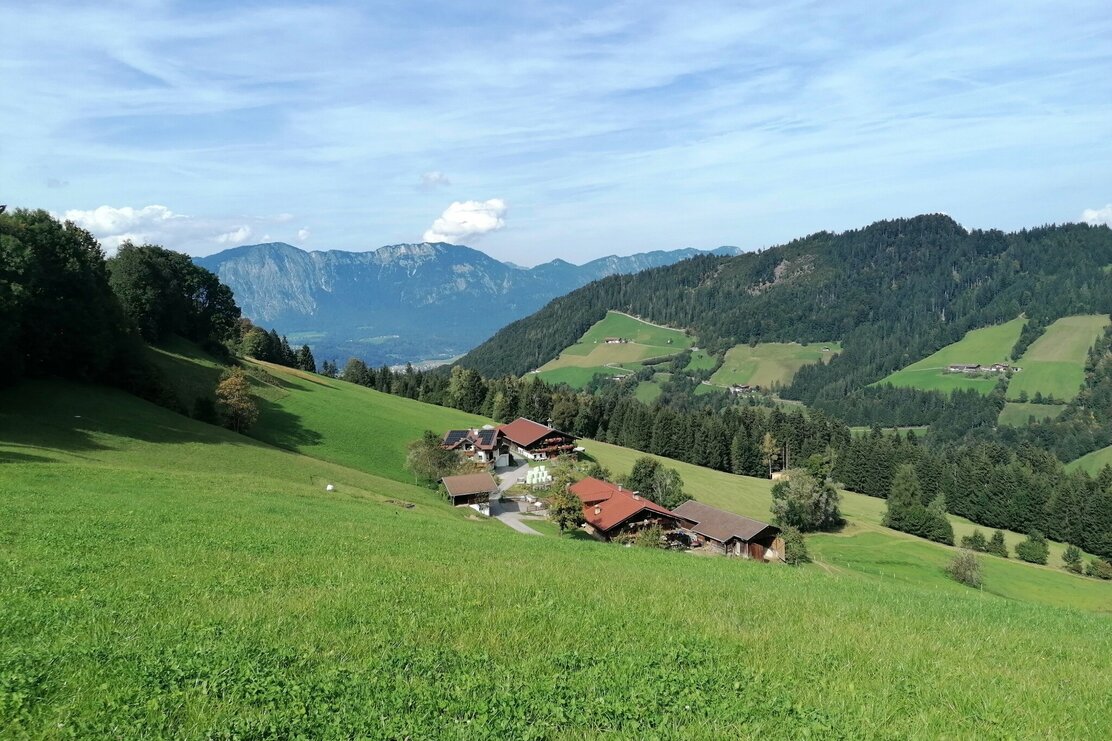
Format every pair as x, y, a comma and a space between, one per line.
999, 368
741, 388
616, 340
964, 368
611, 510
731, 534
480, 445
535, 441
471, 489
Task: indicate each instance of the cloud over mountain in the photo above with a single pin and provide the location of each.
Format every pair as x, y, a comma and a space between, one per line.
465, 220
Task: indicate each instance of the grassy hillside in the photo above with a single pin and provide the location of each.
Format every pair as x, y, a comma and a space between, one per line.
162, 577
985, 346
752, 497
770, 363
579, 363
1093, 462
1054, 364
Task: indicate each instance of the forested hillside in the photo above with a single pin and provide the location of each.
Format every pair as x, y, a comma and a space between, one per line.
892, 292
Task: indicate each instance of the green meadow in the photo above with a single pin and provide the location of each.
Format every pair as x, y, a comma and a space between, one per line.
769, 363
1092, 462
985, 346
592, 356
1054, 364
160, 577
1019, 414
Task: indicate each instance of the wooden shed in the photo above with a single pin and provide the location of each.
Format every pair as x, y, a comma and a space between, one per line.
473, 488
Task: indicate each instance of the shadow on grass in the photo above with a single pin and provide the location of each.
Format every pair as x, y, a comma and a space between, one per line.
280, 428
7, 456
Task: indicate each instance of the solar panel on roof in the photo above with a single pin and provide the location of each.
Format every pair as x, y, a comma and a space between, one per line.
486, 437
454, 436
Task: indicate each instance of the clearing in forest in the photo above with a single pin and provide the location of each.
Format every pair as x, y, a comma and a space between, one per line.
1054, 364
631, 341
983, 346
769, 363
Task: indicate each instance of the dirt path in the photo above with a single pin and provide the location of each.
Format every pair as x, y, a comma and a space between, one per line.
645, 321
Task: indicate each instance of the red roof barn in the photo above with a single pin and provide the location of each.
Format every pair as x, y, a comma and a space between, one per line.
611, 510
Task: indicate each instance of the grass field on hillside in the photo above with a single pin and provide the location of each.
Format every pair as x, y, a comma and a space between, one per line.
752, 497
1054, 364
591, 355
770, 363
348, 424
1092, 462
162, 577
701, 360
985, 346
1018, 414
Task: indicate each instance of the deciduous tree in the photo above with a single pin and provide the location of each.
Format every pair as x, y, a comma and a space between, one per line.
234, 394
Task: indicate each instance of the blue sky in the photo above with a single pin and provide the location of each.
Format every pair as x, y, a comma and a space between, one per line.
534, 130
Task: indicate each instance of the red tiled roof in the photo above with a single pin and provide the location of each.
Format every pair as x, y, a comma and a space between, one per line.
525, 432
606, 505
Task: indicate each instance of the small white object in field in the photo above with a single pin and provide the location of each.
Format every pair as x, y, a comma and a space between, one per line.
330, 487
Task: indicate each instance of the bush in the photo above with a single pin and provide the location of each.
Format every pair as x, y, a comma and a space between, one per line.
795, 547
1071, 559
996, 544
966, 569
1100, 569
1034, 549
975, 542
651, 537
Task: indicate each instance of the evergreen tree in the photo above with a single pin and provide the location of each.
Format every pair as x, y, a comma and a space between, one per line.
305, 359
996, 544
1071, 559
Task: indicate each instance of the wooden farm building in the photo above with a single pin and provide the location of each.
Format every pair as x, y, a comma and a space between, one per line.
472, 488
535, 441
731, 534
611, 510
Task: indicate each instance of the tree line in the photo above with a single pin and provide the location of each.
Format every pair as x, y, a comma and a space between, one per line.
71, 312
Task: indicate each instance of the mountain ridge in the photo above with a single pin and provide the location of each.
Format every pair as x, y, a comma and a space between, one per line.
407, 301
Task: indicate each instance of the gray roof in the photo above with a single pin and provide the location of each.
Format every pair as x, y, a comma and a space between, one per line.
718, 525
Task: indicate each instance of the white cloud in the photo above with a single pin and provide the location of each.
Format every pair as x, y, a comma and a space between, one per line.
434, 179
1098, 215
113, 226
156, 224
467, 219
303, 234
236, 236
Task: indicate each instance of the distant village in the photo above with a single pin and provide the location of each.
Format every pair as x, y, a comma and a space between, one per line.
611, 512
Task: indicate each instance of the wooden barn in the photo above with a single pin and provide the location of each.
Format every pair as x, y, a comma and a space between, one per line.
731, 534
472, 488
611, 510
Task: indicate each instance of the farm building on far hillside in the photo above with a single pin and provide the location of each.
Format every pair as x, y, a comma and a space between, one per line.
611, 510
731, 534
470, 489
535, 441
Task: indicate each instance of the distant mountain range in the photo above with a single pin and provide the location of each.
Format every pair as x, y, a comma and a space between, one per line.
403, 302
